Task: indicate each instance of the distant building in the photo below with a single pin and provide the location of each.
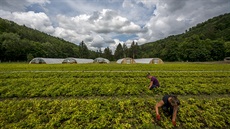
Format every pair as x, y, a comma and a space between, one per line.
126, 61
227, 59
101, 60
71, 60
149, 61
40, 60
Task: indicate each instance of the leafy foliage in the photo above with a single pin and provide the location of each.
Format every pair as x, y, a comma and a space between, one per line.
110, 113
112, 95
19, 42
206, 41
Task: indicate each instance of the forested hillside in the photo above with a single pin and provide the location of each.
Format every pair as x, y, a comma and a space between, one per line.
20, 43
207, 41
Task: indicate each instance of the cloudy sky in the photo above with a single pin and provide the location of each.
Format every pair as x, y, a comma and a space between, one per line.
105, 23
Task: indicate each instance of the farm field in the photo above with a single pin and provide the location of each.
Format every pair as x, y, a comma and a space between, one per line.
112, 95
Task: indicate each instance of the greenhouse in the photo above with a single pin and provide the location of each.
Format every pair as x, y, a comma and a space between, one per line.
227, 59
126, 61
101, 60
76, 61
149, 61
40, 60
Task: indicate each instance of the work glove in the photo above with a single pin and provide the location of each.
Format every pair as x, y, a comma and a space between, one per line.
174, 123
158, 117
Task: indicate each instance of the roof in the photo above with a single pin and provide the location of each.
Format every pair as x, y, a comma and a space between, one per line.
227, 59
40, 60
123, 59
77, 60
148, 60
101, 60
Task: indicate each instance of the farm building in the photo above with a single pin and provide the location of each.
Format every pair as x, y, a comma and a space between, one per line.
40, 60
126, 61
149, 61
227, 59
76, 61
101, 60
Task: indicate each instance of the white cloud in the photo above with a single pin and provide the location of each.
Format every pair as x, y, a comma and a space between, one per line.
102, 23
174, 17
39, 21
101, 26
19, 5
38, 1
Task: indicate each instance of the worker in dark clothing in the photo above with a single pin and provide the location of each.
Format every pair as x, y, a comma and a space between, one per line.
170, 105
154, 83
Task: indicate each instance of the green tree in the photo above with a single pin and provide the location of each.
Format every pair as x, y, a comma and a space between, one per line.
227, 48
108, 54
118, 54
29, 57
193, 49
11, 46
83, 50
171, 52
125, 50
50, 50
134, 50
100, 54
218, 50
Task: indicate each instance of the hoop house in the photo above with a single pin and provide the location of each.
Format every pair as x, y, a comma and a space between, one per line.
76, 61
149, 61
126, 61
101, 60
227, 59
40, 60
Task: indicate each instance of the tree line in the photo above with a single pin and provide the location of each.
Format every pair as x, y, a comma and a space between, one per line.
207, 41
192, 49
20, 43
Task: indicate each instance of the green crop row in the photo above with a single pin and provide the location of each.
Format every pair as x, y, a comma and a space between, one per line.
112, 96
111, 113
46, 84
114, 67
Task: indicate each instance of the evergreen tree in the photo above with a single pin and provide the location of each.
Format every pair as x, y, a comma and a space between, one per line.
108, 54
83, 50
118, 52
125, 50
100, 52
218, 50
137, 51
131, 50
134, 50
227, 49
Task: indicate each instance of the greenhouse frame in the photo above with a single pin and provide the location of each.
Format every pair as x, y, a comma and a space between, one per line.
71, 60
101, 60
149, 61
40, 60
126, 61
227, 59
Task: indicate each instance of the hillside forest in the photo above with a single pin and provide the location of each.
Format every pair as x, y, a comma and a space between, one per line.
207, 41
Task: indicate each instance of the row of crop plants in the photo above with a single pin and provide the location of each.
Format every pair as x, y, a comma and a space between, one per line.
46, 84
112, 96
114, 67
110, 113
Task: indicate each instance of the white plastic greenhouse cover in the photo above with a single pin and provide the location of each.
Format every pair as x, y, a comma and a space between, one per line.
126, 61
101, 60
77, 60
40, 60
148, 60
119, 61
